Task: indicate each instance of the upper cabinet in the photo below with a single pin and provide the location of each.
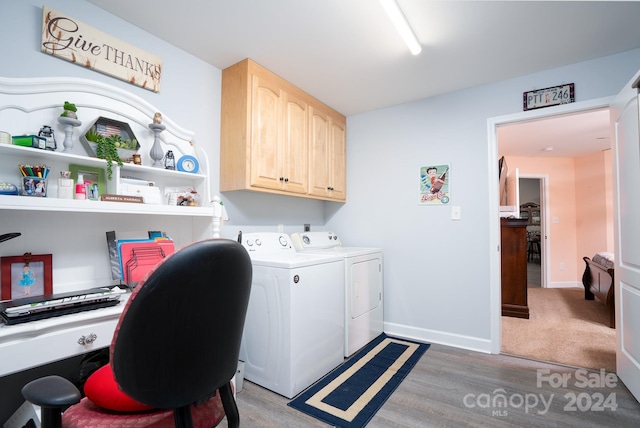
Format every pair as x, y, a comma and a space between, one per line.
327, 147
279, 129
276, 138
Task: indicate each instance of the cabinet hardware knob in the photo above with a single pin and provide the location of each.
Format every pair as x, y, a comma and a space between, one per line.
286, 180
86, 340
281, 178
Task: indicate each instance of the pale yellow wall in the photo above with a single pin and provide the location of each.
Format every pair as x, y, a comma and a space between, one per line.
580, 199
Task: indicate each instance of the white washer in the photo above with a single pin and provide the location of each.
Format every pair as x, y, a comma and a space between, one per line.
294, 329
364, 311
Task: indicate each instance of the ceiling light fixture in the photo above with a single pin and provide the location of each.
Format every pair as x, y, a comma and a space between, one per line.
401, 24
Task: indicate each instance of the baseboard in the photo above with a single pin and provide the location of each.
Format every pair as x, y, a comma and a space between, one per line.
565, 284
440, 337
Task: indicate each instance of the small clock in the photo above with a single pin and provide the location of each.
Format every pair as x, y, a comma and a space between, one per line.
188, 164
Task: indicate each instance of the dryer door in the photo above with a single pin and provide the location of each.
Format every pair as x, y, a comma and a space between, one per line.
366, 286
364, 305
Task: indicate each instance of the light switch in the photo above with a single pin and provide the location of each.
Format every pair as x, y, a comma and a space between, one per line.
455, 212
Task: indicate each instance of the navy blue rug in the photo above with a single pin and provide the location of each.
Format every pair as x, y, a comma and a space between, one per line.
350, 395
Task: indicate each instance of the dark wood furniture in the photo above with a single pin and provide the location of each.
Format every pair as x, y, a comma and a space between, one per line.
530, 211
598, 281
513, 248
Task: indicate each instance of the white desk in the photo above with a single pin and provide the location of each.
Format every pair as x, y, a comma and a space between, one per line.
32, 344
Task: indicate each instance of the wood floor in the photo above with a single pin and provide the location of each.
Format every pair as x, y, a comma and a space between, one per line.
451, 387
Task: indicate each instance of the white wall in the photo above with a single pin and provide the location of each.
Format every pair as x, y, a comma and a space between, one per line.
190, 88
189, 95
437, 271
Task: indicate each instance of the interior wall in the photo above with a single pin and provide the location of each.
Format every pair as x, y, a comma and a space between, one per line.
594, 203
190, 95
437, 270
561, 205
608, 168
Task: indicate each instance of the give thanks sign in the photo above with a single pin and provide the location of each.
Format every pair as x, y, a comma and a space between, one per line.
67, 38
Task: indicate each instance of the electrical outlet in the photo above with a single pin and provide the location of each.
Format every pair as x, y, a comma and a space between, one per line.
561, 266
307, 227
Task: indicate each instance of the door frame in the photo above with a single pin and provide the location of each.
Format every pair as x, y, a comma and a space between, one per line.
494, 200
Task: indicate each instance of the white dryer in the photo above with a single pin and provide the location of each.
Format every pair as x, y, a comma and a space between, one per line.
364, 311
294, 329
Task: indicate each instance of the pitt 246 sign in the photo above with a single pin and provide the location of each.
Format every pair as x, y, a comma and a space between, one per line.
548, 97
67, 38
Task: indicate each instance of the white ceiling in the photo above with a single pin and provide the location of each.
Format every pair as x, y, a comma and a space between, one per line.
572, 135
347, 53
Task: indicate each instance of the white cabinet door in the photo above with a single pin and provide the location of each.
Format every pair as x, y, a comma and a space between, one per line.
626, 156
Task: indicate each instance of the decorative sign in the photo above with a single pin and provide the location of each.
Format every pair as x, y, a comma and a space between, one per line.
74, 41
547, 97
434, 185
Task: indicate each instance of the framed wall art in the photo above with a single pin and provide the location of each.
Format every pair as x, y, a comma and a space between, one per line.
93, 179
434, 185
27, 275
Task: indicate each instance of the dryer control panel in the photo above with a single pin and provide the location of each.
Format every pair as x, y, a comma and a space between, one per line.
315, 240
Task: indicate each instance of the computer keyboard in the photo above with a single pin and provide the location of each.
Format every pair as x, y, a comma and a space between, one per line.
41, 307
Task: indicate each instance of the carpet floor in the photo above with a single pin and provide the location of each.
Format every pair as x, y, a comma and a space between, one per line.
563, 328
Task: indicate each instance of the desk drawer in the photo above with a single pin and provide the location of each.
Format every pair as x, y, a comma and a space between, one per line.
41, 342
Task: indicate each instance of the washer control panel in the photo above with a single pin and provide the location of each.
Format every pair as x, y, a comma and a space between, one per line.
267, 243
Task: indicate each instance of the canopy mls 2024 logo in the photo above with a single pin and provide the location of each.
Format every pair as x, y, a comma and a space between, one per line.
67, 38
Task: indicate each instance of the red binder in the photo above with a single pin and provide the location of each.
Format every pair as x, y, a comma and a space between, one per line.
137, 258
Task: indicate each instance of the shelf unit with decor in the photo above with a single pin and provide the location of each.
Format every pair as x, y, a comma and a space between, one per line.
73, 230
26, 104
11, 156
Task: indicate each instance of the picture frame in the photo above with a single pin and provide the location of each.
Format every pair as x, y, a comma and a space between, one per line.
27, 275
91, 176
34, 186
434, 184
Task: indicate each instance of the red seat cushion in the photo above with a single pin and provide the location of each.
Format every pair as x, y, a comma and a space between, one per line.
101, 388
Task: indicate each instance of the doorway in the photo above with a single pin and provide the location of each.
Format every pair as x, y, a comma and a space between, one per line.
494, 200
530, 190
533, 197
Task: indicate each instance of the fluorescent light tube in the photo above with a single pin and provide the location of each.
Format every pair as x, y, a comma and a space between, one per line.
400, 21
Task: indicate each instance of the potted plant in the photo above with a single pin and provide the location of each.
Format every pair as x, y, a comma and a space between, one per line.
106, 148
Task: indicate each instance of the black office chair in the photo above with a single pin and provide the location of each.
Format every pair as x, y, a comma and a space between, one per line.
176, 346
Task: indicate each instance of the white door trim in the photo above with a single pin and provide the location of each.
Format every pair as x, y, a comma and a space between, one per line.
494, 200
